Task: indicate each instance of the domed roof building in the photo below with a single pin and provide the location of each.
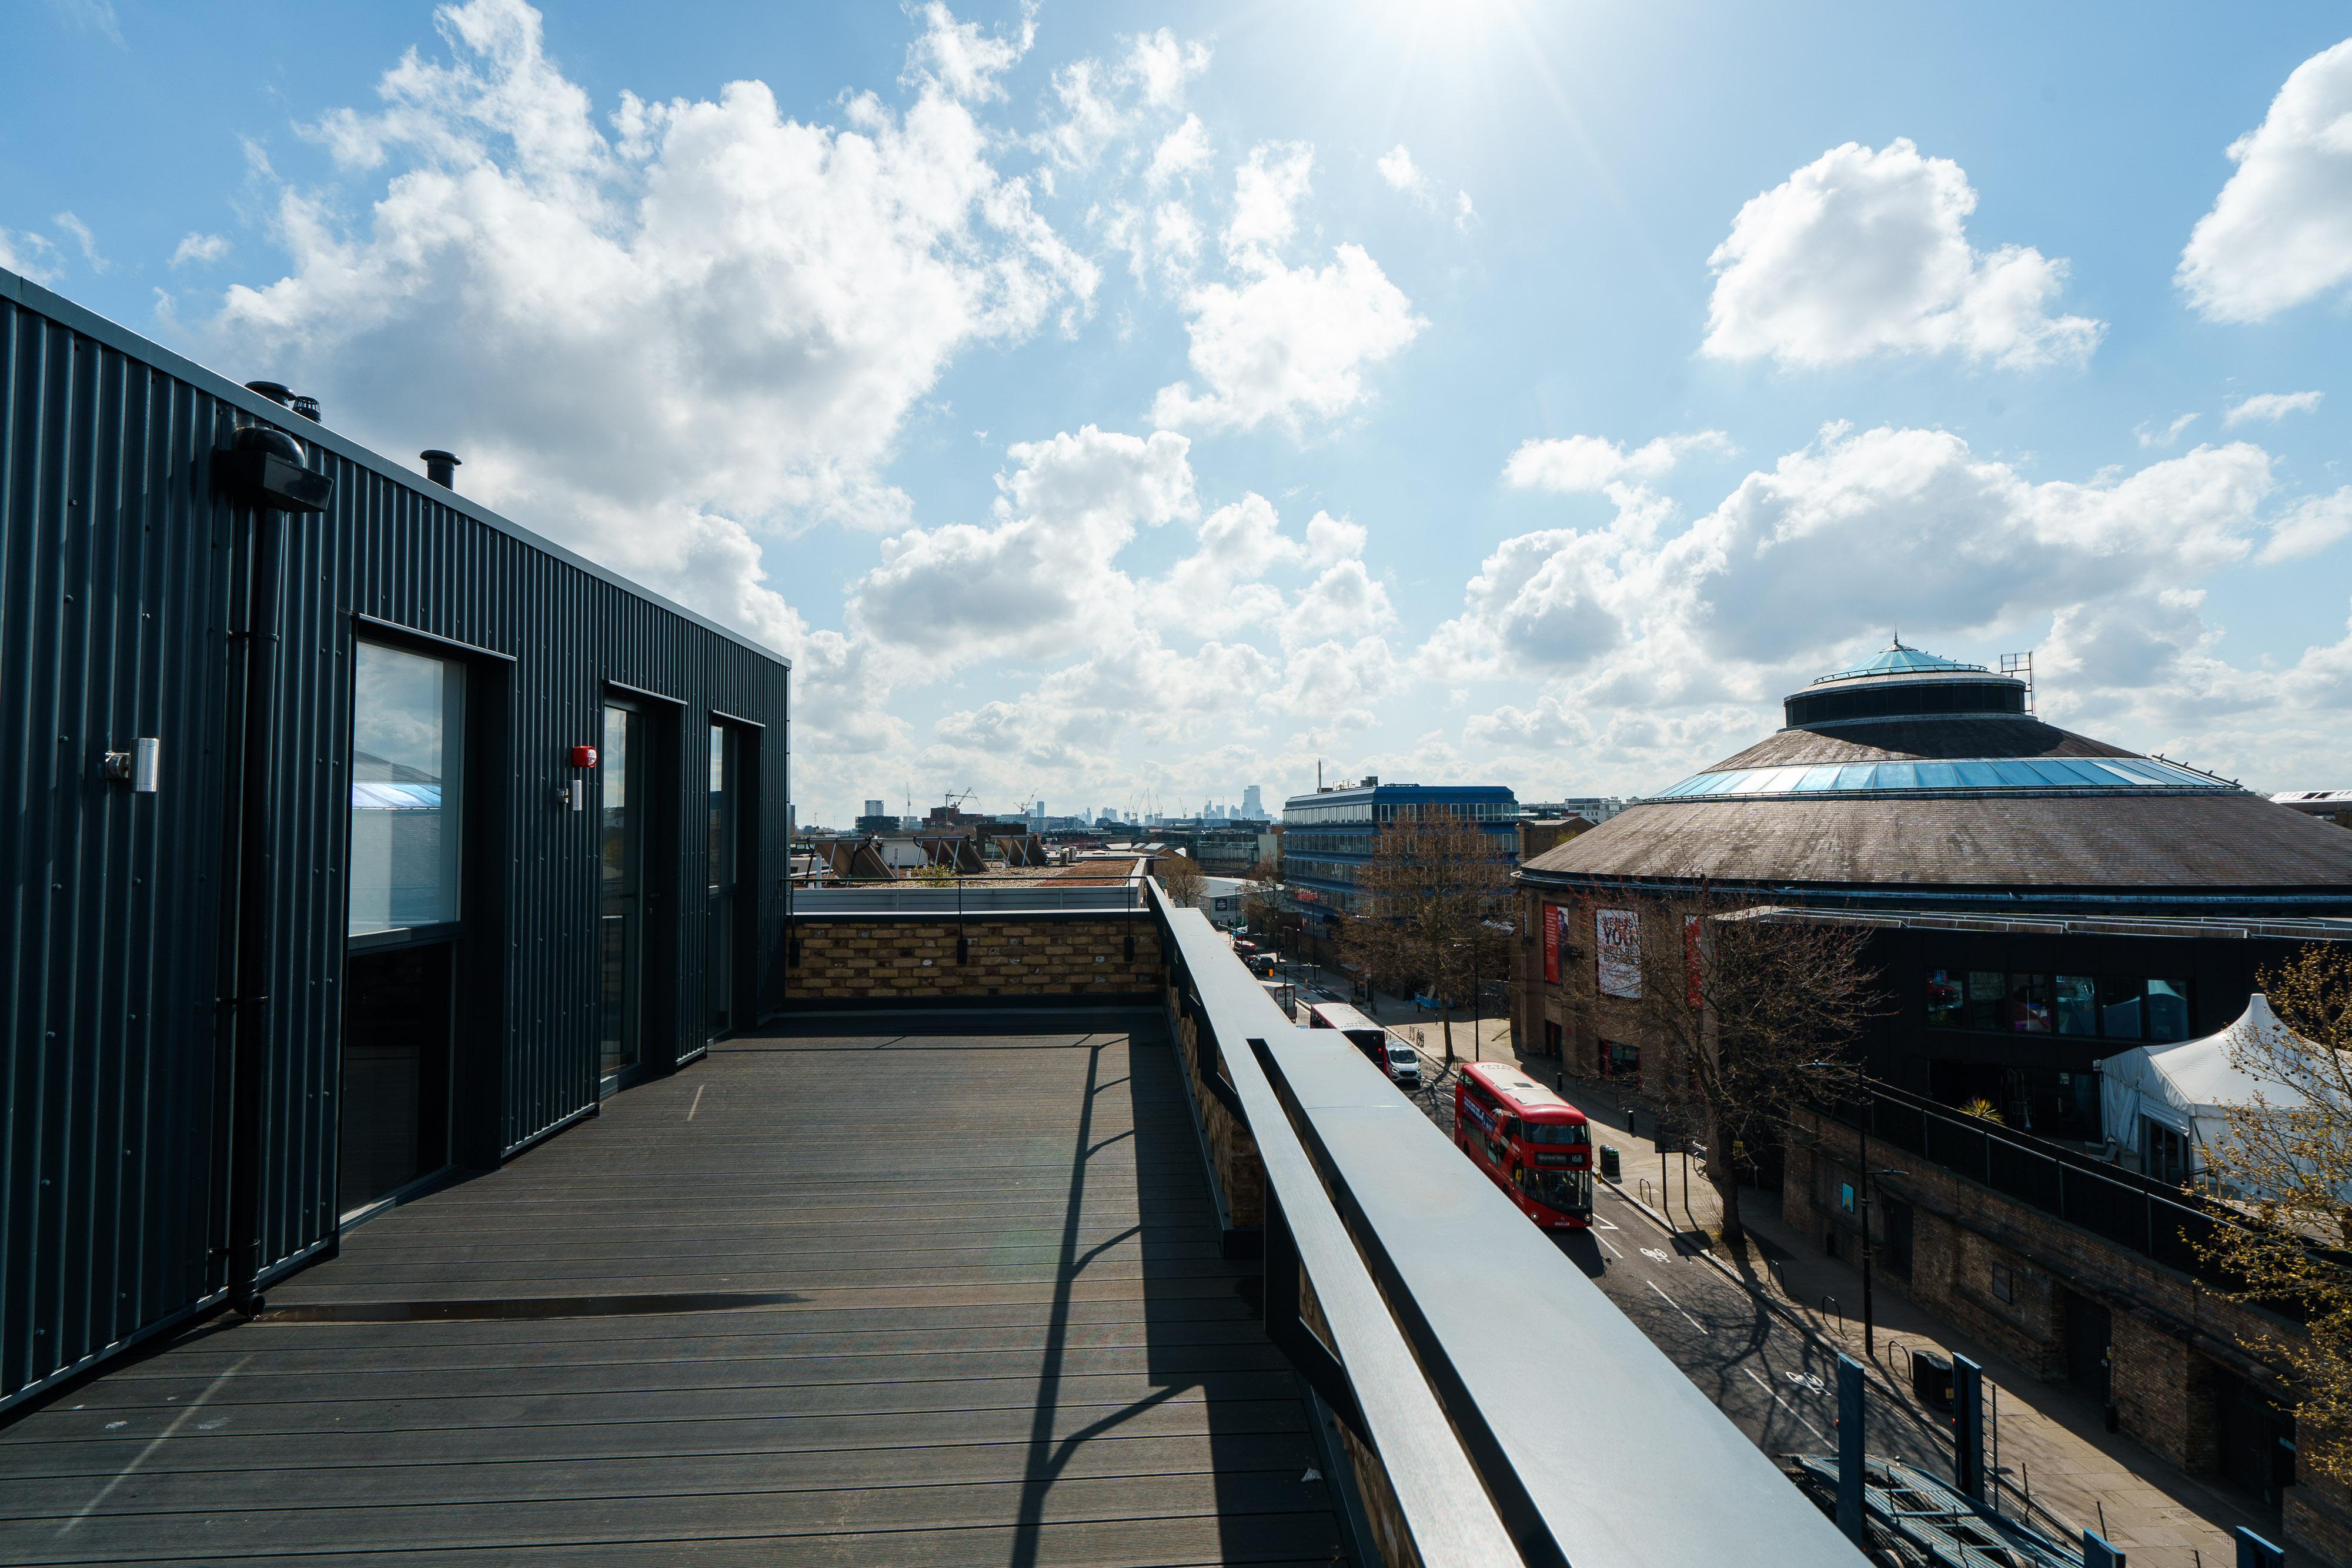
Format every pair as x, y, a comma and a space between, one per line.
1917, 781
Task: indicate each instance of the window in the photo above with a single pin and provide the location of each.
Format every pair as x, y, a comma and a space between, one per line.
2029, 1004
407, 730
1620, 1061
1947, 1006
1985, 989
1557, 1133
2168, 1009
2004, 1284
2119, 1009
2075, 1002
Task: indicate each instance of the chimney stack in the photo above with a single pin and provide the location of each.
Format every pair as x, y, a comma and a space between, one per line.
441, 468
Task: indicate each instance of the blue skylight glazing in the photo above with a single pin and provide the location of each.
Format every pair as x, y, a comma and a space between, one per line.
1899, 660
1989, 775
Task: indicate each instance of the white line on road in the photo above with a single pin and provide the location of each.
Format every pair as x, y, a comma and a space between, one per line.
1606, 1242
1783, 1404
1674, 1303
691, 1110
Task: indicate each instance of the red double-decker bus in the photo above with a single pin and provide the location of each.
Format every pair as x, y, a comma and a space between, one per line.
1534, 1144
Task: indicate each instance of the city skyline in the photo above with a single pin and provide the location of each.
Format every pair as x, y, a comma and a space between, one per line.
1520, 395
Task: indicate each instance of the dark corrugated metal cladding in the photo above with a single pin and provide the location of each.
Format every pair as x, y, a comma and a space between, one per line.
122, 590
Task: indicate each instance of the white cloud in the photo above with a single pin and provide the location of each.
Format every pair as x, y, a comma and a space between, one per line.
88, 242
1865, 252
1584, 463
1040, 579
2280, 233
1099, 103
721, 310
961, 59
198, 247
2309, 527
2271, 407
1267, 189
1181, 154
29, 253
2152, 434
1396, 167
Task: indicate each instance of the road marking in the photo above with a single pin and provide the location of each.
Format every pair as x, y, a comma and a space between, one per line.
1674, 1303
1600, 1224
1784, 1404
1657, 1255
691, 1110
1610, 1245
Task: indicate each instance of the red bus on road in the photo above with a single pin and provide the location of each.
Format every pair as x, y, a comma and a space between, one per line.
1534, 1144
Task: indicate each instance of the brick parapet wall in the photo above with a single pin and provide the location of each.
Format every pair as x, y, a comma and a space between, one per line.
1235, 1164
913, 958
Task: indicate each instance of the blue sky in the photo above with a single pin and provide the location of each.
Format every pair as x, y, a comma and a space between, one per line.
1121, 404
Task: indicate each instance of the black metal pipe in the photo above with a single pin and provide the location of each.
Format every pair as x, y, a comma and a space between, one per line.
256, 906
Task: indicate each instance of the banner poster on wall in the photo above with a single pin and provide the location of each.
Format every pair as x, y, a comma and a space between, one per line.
1551, 943
1617, 950
1694, 993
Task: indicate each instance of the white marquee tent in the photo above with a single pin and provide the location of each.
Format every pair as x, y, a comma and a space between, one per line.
2188, 1088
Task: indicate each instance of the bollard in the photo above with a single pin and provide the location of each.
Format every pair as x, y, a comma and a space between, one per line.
1968, 1429
1850, 1449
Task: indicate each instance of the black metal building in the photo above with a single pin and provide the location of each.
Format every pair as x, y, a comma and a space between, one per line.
355, 835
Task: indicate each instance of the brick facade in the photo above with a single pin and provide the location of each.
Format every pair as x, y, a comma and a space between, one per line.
912, 959
2173, 1344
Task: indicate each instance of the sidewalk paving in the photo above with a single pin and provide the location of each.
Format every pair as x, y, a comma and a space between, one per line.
2051, 1438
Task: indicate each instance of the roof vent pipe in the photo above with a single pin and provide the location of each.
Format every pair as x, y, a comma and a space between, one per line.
278, 393
308, 407
441, 468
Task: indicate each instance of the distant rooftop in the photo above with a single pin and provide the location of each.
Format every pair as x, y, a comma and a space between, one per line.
1898, 660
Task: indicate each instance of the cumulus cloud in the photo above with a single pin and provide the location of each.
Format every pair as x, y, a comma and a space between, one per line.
1396, 166
1283, 343
2280, 233
27, 254
2309, 527
2271, 407
961, 58
2152, 434
1040, 578
79, 232
1583, 464
719, 310
1098, 103
1865, 252
199, 247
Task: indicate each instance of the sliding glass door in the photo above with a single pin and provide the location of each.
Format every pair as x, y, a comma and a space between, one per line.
623, 772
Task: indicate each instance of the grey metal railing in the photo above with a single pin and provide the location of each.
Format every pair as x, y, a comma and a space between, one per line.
1514, 1413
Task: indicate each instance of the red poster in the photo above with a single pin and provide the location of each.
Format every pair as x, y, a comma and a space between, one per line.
1553, 919
1691, 962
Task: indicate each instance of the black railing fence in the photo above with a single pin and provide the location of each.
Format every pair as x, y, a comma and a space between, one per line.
2145, 1215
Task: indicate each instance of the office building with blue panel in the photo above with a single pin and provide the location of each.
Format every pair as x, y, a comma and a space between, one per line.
1331, 835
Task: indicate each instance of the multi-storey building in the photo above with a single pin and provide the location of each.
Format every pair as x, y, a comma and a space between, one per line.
1329, 836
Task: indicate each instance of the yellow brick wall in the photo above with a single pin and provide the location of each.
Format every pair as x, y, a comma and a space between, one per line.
1006, 955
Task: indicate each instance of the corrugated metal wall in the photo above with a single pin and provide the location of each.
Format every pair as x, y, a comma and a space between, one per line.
121, 569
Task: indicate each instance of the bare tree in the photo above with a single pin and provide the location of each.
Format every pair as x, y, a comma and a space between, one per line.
2287, 1165
1758, 1016
1261, 903
1181, 879
1435, 893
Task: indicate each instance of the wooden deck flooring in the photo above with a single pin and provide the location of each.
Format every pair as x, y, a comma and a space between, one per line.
866, 1291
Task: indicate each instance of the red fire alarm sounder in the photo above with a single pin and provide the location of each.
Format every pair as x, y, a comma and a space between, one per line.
584, 757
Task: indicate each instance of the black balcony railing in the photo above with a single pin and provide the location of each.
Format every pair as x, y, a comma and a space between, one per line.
1511, 1412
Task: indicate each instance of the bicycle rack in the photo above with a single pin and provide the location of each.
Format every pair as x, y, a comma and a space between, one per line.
1830, 1304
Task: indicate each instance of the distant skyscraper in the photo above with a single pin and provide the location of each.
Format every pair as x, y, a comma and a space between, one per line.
874, 808
1251, 805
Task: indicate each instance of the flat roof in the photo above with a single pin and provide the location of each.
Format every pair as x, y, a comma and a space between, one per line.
2317, 928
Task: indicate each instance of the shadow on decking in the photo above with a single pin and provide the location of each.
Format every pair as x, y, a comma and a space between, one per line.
860, 1289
